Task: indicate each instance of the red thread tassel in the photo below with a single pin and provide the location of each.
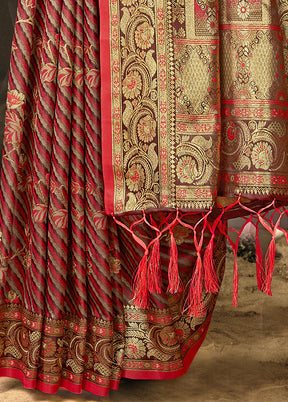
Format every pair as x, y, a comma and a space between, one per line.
235, 280
211, 280
195, 295
140, 286
269, 267
259, 261
175, 284
154, 268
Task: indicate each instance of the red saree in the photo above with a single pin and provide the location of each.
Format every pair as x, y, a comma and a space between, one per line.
112, 239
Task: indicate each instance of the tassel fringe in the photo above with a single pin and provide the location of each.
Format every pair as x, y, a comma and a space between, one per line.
204, 278
175, 284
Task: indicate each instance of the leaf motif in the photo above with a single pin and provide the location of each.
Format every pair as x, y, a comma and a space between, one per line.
151, 62
13, 130
202, 142
185, 138
93, 77
40, 213
130, 204
127, 114
79, 78
100, 220
15, 99
25, 183
38, 46
76, 188
261, 124
74, 366
81, 217
65, 77
206, 176
31, 3
153, 158
90, 188
48, 72
242, 162
153, 352
60, 218
125, 20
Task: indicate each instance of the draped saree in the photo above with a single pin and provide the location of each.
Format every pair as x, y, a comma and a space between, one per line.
121, 163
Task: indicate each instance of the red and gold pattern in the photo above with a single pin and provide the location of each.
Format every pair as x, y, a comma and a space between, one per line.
95, 351
175, 131
165, 59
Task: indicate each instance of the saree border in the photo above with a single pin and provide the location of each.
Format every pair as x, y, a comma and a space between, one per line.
106, 93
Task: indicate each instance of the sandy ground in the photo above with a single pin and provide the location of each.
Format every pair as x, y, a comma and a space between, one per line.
244, 357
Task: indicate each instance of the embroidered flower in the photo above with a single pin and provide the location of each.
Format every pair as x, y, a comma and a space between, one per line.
186, 169
262, 156
144, 35
132, 85
135, 348
147, 128
243, 9
243, 60
211, 25
135, 177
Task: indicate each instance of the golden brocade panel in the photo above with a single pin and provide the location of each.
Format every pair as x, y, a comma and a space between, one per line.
198, 101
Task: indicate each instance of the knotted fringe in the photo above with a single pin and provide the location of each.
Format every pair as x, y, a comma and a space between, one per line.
140, 285
194, 304
154, 268
264, 274
175, 284
210, 275
204, 279
234, 247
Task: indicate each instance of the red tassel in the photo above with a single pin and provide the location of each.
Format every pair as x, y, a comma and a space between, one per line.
195, 296
259, 261
140, 285
175, 284
269, 267
154, 268
211, 280
235, 280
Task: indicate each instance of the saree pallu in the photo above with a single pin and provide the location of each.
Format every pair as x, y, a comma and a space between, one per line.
116, 146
